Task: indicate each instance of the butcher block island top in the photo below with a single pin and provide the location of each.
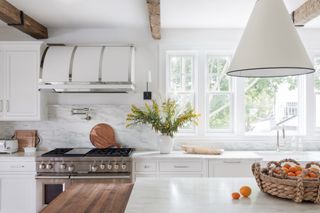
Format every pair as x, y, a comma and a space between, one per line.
204, 195
92, 198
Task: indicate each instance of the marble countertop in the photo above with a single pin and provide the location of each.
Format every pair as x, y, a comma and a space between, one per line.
202, 195
20, 156
180, 155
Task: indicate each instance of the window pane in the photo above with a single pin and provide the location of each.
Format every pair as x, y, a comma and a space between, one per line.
181, 73
269, 101
219, 111
217, 78
183, 101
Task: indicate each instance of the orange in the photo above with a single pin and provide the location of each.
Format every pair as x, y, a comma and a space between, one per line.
293, 169
285, 169
298, 172
291, 174
313, 175
245, 191
235, 195
287, 166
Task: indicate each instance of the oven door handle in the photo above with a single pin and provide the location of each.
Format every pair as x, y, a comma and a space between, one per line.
100, 177
52, 177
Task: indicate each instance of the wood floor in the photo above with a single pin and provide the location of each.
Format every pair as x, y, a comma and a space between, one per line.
92, 198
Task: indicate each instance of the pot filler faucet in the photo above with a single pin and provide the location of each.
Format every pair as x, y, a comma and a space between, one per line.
283, 130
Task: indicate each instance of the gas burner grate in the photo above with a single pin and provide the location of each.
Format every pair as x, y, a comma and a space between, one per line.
110, 152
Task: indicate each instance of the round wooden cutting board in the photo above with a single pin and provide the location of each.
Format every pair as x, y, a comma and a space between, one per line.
102, 136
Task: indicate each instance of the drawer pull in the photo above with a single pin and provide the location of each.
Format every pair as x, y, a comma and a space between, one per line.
232, 162
180, 167
146, 166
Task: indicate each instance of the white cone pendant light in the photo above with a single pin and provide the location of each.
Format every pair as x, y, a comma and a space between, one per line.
270, 45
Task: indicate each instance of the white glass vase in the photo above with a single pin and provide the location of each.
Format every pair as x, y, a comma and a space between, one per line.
165, 144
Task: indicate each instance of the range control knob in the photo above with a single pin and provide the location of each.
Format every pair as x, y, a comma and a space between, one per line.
116, 166
124, 166
49, 166
109, 166
63, 166
70, 168
42, 166
102, 166
94, 168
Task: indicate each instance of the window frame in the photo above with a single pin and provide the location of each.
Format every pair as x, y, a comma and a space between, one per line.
207, 93
194, 92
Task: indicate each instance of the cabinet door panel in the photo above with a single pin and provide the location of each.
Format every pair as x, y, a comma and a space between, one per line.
22, 95
230, 168
18, 194
2, 82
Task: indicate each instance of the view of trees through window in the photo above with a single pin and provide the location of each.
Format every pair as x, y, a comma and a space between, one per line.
269, 101
218, 93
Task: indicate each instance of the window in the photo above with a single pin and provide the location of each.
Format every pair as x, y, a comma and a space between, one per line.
270, 101
317, 89
218, 94
232, 107
181, 80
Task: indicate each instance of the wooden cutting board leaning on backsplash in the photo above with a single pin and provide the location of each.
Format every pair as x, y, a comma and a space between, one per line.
102, 136
26, 138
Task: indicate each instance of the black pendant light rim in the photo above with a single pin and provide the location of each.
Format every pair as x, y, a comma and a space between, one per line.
312, 70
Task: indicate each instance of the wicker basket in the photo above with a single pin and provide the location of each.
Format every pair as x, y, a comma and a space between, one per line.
298, 188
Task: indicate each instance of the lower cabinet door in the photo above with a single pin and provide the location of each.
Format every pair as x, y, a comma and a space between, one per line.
230, 168
17, 193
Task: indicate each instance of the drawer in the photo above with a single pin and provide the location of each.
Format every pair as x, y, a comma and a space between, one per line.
180, 166
181, 174
145, 166
230, 168
17, 166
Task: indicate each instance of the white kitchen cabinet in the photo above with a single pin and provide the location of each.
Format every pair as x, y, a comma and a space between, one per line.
17, 187
169, 168
18, 194
20, 98
230, 168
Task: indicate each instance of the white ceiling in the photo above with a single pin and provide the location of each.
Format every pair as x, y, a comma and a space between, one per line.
133, 13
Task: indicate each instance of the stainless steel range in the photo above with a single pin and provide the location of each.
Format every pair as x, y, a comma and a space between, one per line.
60, 168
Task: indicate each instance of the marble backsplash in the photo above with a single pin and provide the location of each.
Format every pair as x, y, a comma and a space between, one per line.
62, 129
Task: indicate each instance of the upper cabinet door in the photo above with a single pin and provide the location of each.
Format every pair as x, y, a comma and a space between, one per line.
117, 64
2, 82
22, 95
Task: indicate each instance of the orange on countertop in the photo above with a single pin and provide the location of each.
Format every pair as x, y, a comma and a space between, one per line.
245, 191
235, 195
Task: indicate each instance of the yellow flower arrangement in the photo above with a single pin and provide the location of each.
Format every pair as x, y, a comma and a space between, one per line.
166, 120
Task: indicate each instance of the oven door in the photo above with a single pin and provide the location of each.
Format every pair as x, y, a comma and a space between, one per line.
49, 187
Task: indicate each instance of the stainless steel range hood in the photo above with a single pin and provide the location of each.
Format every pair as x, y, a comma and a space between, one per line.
87, 69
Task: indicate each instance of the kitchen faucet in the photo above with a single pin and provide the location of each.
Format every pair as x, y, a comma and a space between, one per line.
283, 131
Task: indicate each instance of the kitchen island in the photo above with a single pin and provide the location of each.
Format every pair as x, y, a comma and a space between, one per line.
202, 195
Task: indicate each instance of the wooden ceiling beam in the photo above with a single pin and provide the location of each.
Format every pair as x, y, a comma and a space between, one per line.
16, 18
154, 18
306, 12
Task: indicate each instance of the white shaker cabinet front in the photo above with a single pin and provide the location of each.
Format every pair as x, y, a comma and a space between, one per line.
18, 194
19, 95
17, 187
230, 167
